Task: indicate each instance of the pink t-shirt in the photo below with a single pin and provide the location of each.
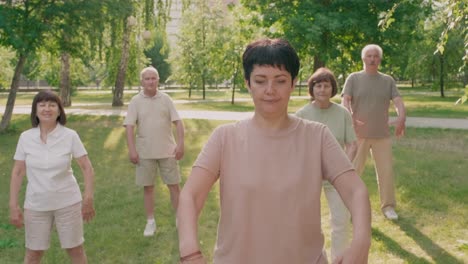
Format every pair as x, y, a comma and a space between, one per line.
270, 188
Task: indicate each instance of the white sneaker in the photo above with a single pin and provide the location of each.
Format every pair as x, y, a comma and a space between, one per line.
150, 228
390, 213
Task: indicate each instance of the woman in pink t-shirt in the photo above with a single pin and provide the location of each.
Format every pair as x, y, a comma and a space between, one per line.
270, 169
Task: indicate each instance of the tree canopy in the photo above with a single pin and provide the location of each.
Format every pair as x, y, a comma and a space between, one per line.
101, 41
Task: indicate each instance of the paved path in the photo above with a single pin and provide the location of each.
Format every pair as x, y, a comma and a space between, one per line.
453, 123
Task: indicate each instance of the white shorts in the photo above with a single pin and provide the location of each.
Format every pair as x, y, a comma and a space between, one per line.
68, 222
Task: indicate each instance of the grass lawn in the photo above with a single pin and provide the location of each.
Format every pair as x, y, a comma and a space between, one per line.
432, 194
419, 103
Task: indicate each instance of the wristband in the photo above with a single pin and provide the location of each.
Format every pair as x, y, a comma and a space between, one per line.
191, 255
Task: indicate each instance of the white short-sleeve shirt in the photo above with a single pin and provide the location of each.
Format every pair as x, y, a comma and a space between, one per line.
51, 183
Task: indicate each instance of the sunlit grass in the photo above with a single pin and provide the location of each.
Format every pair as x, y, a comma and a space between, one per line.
115, 235
431, 183
419, 102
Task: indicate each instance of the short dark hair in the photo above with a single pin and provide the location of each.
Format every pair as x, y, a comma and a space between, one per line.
322, 75
273, 52
47, 96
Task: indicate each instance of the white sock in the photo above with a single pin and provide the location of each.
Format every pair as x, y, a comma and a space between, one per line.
150, 220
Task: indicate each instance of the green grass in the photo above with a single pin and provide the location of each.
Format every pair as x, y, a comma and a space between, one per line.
431, 183
115, 235
432, 105
419, 102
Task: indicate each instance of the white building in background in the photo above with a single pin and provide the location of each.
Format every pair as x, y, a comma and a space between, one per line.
172, 27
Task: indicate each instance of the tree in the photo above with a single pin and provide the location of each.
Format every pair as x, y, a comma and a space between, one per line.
323, 29
23, 27
334, 32
199, 45
158, 55
153, 16
122, 68
59, 27
241, 28
449, 18
6, 56
75, 35
457, 18
404, 37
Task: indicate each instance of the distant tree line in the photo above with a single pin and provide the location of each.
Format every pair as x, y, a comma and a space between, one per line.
105, 43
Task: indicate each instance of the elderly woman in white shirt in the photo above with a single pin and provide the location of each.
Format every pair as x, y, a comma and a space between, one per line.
44, 155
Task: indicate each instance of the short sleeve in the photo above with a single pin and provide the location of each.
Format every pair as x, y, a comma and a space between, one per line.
334, 160
348, 86
300, 113
211, 155
131, 117
350, 135
174, 115
20, 154
395, 92
78, 149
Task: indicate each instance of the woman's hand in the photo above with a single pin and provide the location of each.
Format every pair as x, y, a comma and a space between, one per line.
87, 209
353, 255
16, 217
17, 175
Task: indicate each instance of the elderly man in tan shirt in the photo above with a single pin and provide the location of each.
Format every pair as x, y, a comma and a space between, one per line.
154, 147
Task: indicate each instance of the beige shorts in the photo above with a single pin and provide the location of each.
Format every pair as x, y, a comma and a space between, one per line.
68, 222
147, 171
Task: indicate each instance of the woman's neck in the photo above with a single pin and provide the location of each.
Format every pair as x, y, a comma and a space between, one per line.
45, 129
277, 123
321, 104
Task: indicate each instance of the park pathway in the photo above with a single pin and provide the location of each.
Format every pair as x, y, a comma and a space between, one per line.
452, 123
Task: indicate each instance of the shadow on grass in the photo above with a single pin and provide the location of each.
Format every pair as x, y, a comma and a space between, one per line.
395, 248
437, 253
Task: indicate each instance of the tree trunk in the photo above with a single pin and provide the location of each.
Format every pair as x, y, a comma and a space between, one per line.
120, 81
441, 58
299, 77
12, 95
233, 92
65, 80
203, 85
234, 83
190, 91
318, 63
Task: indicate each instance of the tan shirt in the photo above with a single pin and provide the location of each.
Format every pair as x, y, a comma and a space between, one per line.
371, 96
153, 117
270, 187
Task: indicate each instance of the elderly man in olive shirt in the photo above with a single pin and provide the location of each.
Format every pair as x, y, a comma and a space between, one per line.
367, 95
